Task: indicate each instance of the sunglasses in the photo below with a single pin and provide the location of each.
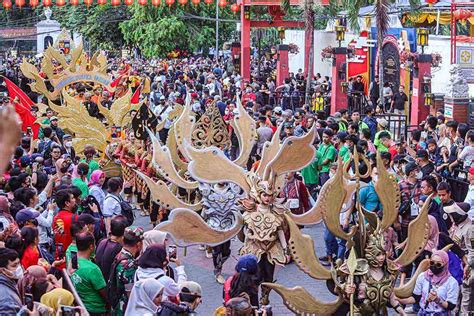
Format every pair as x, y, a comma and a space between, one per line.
436, 264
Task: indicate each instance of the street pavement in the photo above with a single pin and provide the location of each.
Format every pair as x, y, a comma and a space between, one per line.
200, 269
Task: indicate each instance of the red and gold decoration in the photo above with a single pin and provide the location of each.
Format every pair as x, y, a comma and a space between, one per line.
33, 3
155, 3
74, 2
169, 2
20, 3
235, 8
142, 2
195, 2
60, 3
88, 3
128, 2
182, 2
115, 3
222, 3
208, 2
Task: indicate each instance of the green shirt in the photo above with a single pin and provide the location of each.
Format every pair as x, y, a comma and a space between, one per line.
344, 153
82, 186
380, 147
311, 173
362, 125
93, 166
88, 281
326, 152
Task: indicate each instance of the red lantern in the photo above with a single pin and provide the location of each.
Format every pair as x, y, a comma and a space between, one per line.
101, 2
20, 3
33, 3
7, 4
128, 2
115, 3
182, 2
88, 3
208, 2
169, 2
142, 2
196, 2
222, 3
73, 2
431, 2
234, 8
462, 14
47, 3
155, 3
60, 3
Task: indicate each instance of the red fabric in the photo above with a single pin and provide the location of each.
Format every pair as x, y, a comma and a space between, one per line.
22, 107
30, 257
393, 151
115, 83
136, 96
62, 230
227, 287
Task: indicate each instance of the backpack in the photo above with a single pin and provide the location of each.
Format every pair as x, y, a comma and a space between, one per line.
126, 209
113, 292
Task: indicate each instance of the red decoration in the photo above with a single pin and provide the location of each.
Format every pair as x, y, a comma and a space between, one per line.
101, 2
182, 2
115, 3
88, 3
33, 3
74, 2
60, 3
47, 3
155, 3
462, 14
222, 3
128, 2
169, 2
196, 2
7, 4
20, 3
142, 2
431, 2
208, 2
234, 8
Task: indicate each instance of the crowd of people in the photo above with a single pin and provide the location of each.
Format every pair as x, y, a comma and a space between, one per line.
64, 218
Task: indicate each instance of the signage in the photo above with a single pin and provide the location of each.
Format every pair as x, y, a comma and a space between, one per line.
465, 59
448, 110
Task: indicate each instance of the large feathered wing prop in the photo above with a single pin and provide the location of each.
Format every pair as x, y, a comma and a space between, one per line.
269, 151
388, 192
188, 228
246, 131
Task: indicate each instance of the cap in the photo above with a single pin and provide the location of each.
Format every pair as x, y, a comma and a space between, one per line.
25, 215
66, 136
87, 219
410, 167
460, 208
288, 125
471, 171
278, 110
422, 153
191, 288
194, 95
133, 233
337, 116
382, 122
162, 97
247, 263
53, 118
342, 135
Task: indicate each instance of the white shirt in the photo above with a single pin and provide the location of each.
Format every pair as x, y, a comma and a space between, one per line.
111, 206
99, 195
470, 199
448, 291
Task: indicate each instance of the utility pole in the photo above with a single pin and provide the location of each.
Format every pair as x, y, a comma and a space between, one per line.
217, 31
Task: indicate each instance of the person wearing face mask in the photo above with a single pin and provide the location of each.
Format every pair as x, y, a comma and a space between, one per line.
409, 197
436, 290
67, 147
87, 278
10, 273
462, 232
123, 270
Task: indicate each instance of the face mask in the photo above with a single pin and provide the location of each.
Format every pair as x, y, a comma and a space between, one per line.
436, 270
375, 178
68, 144
419, 175
226, 112
18, 273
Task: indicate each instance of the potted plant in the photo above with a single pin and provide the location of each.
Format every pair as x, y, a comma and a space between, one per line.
436, 59
327, 53
293, 48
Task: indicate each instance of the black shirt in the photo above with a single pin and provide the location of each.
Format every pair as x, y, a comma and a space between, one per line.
399, 100
105, 254
427, 169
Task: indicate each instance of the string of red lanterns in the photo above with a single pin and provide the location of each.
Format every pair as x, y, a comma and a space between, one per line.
8, 4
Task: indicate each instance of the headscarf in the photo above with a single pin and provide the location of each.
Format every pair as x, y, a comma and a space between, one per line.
153, 237
154, 256
142, 296
31, 275
59, 165
95, 177
433, 237
443, 276
4, 204
57, 297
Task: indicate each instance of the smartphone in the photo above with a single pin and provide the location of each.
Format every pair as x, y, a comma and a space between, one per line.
68, 310
74, 260
30, 304
60, 251
172, 251
28, 130
2, 228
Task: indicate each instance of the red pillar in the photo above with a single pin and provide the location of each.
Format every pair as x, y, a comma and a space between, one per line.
282, 64
338, 97
245, 46
307, 46
419, 111
236, 56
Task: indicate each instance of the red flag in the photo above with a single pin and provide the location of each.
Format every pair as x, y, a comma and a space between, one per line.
22, 105
136, 96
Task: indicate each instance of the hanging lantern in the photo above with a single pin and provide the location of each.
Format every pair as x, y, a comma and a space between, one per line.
128, 2
60, 3
234, 8
155, 3
142, 2
182, 2
195, 2
431, 2
20, 3
33, 3
47, 3
101, 2
7, 4
88, 3
73, 2
115, 3
208, 2
222, 3
169, 3
462, 14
